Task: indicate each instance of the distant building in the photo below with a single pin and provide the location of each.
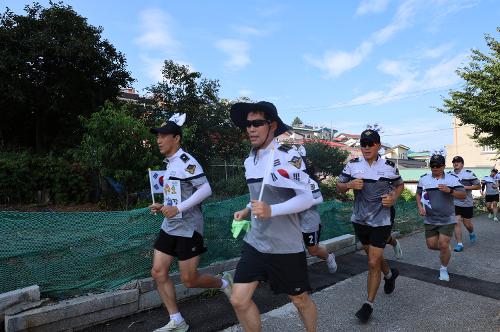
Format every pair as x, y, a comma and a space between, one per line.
424, 156
314, 132
399, 151
463, 145
129, 95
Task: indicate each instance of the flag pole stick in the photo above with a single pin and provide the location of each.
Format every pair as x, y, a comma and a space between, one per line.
266, 173
150, 186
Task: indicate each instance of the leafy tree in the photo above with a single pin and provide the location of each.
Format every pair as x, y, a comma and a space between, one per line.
478, 104
118, 147
54, 67
208, 133
297, 122
327, 160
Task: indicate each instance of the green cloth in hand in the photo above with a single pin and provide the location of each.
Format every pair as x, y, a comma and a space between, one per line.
239, 225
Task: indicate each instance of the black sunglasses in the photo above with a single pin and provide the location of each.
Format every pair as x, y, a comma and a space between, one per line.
256, 123
367, 144
436, 165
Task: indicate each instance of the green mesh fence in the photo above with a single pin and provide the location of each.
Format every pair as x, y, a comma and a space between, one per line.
73, 253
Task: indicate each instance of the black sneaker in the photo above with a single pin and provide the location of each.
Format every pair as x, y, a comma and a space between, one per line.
391, 282
364, 313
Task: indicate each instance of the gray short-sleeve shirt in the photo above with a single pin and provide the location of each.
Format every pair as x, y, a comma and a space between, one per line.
439, 206
491, 185
279, 234
183, 167
310, 218
467, 178
379, 179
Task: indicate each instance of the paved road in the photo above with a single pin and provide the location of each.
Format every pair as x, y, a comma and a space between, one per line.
469, 302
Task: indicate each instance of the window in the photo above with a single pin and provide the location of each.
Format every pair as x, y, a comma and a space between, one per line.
488, 149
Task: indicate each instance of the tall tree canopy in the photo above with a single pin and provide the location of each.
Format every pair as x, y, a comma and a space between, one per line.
54, 67
297, 122
208, 131
479, 102
327, 160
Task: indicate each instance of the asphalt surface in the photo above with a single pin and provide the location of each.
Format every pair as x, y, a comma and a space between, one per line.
469, 302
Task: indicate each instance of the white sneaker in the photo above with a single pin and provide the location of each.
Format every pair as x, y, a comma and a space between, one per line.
490, 215
495, 219
229, 288
172, 326
398, 252
332, 265
443, 275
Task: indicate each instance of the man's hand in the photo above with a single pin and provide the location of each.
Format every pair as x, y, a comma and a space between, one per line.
261, 210
444, 188
388, 200
169, 211
156, 207
241, 214
421, 210
356, 184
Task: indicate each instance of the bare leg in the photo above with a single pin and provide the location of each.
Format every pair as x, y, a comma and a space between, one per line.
458, 229
444, 248
318, 251
307, 310
191, 278
161, 266
245, 308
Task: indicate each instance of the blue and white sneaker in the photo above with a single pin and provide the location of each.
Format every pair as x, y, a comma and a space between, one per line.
459, 248
472, 237
443, 275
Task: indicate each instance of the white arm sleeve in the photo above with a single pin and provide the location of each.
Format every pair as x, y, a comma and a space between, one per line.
202, 193
318, 200
302, 201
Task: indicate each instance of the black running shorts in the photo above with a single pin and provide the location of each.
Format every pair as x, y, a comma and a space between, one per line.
286, 273
464, 212
181, 247
373, 236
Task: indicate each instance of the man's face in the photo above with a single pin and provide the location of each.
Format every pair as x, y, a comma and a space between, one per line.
369, 149
457, 165
167, 143
259, 129
493, 174
436, 169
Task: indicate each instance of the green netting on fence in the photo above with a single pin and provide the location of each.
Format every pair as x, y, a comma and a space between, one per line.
74, 253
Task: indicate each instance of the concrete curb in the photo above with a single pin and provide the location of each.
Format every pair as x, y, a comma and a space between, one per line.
17, 297
133, 297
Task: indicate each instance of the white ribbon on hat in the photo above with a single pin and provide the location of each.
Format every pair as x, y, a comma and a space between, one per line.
178, 118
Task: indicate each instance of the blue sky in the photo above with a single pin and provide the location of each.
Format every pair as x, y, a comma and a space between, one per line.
346, 63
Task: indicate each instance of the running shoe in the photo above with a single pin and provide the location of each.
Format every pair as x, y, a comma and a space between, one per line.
490, 215
390, 283
364, 313
459, 248
398, 252
229, 288
472, 237
172, 326
495, 219
443, 275
332, 265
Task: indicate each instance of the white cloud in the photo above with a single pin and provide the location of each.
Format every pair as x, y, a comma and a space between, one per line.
371, 6
337, 62
436, 52
410, 83
238, 52
334, 63
403, 19
442, 8
155, 26
156, 42
245, 93
249, 31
